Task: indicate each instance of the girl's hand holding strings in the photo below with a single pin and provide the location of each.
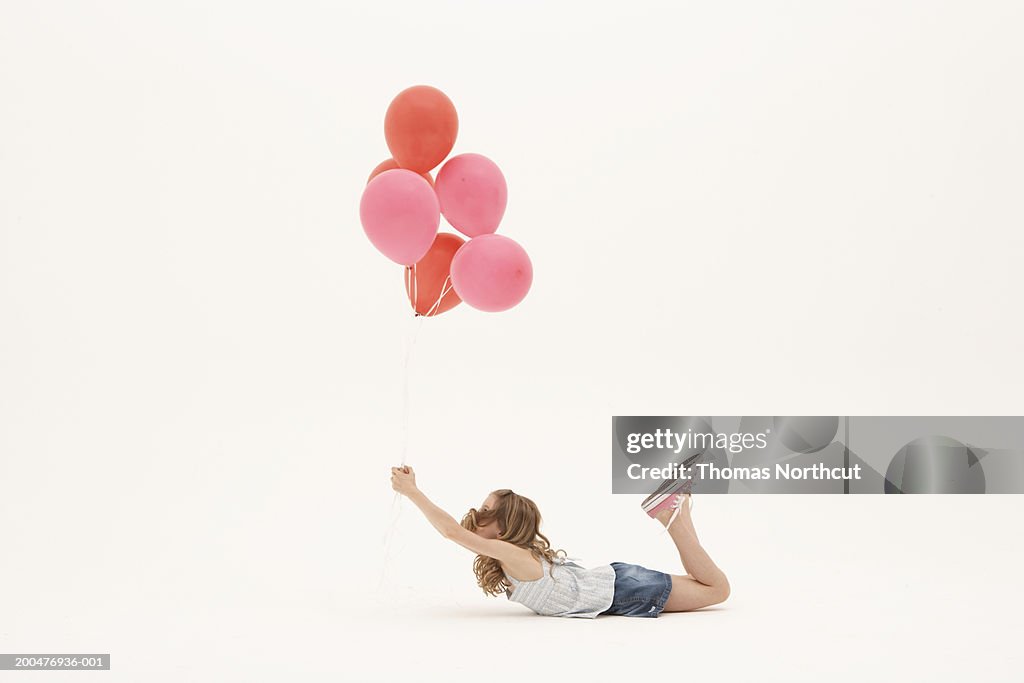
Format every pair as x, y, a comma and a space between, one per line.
403, 479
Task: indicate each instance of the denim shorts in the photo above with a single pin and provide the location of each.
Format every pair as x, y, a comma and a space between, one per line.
639, 592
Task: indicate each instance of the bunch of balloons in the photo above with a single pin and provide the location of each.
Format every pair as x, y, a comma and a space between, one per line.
402, 205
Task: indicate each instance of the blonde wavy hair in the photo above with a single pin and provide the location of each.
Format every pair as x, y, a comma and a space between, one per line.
519, 524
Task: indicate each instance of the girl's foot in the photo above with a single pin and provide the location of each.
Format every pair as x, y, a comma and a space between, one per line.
683, 500
665, 507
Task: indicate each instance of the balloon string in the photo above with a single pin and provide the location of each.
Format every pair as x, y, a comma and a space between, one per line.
396, 511
416, 289
410, 285
396, 503
445, 288
409, 347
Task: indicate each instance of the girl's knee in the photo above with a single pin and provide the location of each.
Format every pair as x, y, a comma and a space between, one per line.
722, 591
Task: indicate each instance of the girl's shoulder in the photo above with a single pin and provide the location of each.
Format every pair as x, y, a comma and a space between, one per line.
526, 567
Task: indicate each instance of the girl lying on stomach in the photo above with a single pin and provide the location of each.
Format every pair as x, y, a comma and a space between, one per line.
513, 557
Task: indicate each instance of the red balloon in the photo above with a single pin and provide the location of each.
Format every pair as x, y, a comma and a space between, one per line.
420, 127
390, 165
431, 275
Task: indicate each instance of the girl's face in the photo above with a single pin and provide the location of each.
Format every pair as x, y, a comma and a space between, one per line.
489, 530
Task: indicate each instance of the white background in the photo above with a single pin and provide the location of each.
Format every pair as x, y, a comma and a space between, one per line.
732, 208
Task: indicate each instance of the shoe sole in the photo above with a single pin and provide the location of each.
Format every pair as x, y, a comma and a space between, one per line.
670, 487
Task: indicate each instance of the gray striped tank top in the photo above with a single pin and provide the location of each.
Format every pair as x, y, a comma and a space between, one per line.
566, 590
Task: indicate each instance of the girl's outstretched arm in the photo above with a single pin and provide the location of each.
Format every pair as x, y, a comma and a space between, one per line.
518, 561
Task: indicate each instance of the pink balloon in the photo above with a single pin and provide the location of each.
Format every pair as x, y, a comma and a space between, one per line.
491, 273
473, 194
400, 214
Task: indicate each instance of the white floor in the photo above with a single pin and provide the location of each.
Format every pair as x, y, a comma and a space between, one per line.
933, 597
917, 637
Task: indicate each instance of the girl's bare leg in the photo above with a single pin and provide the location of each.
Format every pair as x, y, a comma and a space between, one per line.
704, 583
